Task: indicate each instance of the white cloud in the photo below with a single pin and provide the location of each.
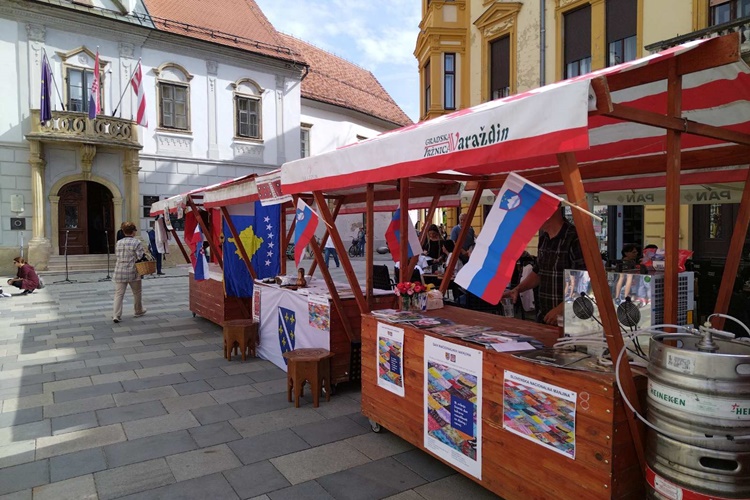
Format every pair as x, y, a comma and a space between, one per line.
379, 36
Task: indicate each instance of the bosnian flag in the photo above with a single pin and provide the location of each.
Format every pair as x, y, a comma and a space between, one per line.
200, 264
94, 102
304, 229
519, 211
393, 238
137, 83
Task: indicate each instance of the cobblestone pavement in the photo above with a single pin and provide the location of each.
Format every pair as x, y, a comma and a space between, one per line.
149, 408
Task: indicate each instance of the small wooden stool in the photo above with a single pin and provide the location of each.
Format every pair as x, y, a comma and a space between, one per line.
242, 333
308, 365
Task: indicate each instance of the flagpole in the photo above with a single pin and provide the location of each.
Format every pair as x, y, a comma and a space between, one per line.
550, 193
54, 82
121, 97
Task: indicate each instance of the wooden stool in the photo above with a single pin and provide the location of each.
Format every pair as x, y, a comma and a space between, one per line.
242, 333
311, 365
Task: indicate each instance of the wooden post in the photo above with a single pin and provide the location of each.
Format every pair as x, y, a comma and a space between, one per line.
430, 216
343, 256
672, 209
284, 240
206, 233
403, 258
369, 247
238, 242
337, 304
571, 177
733, 256
179, 244
336, 208
448, 277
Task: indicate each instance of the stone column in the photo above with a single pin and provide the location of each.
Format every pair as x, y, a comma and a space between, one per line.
212, 68
280, 138
131, 167
39, 246
88, 152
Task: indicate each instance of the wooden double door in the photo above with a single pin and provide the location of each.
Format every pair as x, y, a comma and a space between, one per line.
85, 219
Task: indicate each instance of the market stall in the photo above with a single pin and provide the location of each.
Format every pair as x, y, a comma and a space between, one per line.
680, 116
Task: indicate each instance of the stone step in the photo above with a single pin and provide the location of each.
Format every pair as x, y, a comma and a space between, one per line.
79, 263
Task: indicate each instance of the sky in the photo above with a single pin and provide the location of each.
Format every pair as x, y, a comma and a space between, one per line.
378, 36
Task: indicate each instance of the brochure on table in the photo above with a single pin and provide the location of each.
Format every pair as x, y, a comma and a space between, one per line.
391, 358
453, 404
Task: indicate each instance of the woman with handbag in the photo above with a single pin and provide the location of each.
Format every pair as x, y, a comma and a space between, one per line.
128, 251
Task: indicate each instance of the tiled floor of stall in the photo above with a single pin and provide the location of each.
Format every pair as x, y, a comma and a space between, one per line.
148, 408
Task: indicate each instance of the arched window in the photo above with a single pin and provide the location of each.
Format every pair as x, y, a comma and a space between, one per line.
173, 96
247, 110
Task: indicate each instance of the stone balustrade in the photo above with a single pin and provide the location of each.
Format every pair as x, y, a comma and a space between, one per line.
69, 126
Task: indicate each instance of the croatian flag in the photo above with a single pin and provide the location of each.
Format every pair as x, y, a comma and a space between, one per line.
519, 211
304, 229
200, 264
94, 102
393, 238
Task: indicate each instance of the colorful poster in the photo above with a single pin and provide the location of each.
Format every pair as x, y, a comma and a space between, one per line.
453, 404
540, 412
320, 312
256, 305
391, 358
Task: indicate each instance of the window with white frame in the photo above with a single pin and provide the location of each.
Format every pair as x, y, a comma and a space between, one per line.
173, 91
247, 110
304, 140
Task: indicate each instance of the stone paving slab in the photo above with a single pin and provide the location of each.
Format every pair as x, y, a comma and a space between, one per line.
149, 409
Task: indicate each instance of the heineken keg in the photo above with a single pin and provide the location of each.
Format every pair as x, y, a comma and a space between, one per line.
699, 390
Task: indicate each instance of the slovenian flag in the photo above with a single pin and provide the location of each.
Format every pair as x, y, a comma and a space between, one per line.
519, 211
304, 229
200, 264
393, 238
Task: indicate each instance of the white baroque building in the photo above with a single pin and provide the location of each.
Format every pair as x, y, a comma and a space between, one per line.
224, 99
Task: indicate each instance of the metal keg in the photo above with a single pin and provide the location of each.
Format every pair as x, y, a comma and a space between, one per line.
699, 389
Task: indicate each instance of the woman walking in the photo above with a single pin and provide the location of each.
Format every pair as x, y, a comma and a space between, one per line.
128, 251
26, 278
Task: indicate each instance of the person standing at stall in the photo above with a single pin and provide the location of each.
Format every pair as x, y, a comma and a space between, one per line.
468, 246
434, 247
128, 251
559, 249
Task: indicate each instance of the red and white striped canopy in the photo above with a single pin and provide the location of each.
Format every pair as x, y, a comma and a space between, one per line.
525, 132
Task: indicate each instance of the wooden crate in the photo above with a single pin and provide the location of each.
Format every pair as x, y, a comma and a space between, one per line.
605, 465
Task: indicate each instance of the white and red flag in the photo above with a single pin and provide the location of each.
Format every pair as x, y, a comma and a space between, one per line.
137, 83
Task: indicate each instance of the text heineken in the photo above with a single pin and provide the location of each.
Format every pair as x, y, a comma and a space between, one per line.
667, 398
739, 410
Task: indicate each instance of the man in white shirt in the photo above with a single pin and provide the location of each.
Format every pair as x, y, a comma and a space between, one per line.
330, 250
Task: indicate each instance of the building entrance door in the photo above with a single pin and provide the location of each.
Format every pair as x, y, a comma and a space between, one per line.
86, 211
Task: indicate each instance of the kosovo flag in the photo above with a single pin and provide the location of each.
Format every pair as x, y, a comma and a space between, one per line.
287, 322
259, 233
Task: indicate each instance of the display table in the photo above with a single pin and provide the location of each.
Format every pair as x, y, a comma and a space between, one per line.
565, 434
208, 301
306, 318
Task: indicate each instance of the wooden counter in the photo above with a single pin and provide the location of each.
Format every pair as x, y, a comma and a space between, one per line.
207, 300
605, 464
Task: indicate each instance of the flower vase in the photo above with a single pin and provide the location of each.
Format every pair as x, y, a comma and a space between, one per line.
406, 303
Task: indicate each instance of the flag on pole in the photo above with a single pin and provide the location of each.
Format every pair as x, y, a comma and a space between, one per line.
520, 209
137, 83
200, 264
45, 103
94, 104
304, 230
393, 237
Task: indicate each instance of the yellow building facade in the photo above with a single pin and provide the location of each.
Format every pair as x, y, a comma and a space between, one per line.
473, 51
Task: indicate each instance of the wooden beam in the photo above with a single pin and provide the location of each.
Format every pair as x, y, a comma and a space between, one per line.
677, 124
448, 276
179, 244
392, 195
238, 242
290, 233
590, 248
343, 256
734, 256
403, 258
206, 233
672, 208
336, 208
284, 240
369, 247
603, 96
430, 216
335, 297
710, 54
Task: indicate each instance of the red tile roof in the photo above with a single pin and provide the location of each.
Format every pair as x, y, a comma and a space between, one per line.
336, 81
234, 23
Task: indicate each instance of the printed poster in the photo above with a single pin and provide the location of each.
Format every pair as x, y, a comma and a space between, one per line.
320, 312
540, 412
256, 304
453, 404
391, 358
